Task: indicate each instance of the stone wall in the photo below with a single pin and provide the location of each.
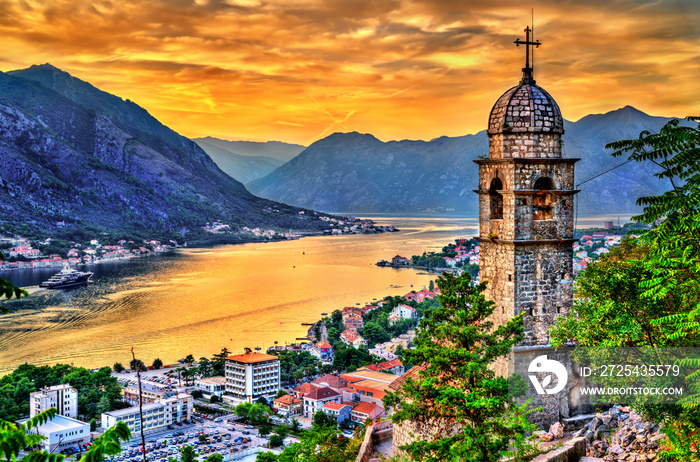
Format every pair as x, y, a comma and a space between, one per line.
572, 451
375, 433
519, 218
408, 431
524, 145
543, 288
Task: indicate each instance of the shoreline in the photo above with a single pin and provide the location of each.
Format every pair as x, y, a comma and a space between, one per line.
193, 245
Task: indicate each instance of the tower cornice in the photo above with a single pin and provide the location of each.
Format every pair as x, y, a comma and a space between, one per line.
528, 160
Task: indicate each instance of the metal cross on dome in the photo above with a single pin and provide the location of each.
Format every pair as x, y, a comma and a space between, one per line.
527, 70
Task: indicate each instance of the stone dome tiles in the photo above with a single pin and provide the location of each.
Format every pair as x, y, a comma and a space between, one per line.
526, 108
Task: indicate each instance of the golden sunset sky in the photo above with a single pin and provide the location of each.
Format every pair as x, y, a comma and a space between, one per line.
299, 70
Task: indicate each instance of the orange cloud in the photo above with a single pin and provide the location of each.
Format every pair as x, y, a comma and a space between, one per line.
295, 70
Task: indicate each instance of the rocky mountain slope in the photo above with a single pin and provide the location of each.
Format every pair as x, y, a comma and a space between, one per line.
237, 166
358, 173
72, 153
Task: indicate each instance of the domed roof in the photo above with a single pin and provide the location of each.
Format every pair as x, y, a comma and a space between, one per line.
526, 108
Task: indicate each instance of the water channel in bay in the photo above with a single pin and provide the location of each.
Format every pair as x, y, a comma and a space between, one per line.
200, 300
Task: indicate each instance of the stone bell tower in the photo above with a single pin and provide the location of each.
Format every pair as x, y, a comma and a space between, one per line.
526, 205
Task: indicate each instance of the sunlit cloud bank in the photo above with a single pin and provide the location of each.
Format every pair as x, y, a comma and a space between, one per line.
299, 70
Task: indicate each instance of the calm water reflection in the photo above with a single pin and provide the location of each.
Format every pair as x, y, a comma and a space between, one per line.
200, 300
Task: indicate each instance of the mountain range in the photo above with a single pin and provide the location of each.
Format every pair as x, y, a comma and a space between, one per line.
73, 154
354, 172
258, 159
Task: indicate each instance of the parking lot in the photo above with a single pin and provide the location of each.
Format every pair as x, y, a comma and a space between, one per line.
222, 437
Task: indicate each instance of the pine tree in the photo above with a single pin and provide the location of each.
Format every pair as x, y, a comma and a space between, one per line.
454, 391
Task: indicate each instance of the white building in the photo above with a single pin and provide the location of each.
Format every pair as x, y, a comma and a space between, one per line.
404, 312
62, 397
315, 400
178, 408
153, 417
251, 376
211, 385
62, 432
166, 411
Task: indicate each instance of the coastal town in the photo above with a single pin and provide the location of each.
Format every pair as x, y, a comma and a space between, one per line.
349, 361
23, 253
354, 357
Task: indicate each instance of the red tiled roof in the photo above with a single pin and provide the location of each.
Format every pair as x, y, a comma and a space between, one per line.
365, 407
332, 380
305, 388
322, 393
287, 399
335, 406
323, 345
412, 372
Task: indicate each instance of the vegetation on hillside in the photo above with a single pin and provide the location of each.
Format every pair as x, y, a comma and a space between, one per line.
97, 391
646, 293
453, 390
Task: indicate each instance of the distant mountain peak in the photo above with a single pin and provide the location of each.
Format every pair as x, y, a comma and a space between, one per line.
349, 136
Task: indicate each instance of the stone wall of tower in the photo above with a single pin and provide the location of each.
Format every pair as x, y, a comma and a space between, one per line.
543, 288
518, 179
524, 145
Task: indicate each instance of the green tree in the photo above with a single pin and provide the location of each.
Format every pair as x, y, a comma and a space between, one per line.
157, 363
118, 367
259, 414
333, 335
295, 425
265, 430
280, 393
321, 419
609, 310
674, 253
321, 444
187, 453
93, 388
266, 457
203, 438
93, 425
218, 362
374, 333
431, 286
214, 399
275, 441
215, 458
243, 409
103, 405
455, 345
137, 364
196, 393
205, 368
189, 359
647, 292
283, 430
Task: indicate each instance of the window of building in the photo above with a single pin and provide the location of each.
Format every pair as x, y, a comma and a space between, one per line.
496, 199
542, 201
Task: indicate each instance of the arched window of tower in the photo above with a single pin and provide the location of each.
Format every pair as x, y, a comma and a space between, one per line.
496, 202
542, 201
